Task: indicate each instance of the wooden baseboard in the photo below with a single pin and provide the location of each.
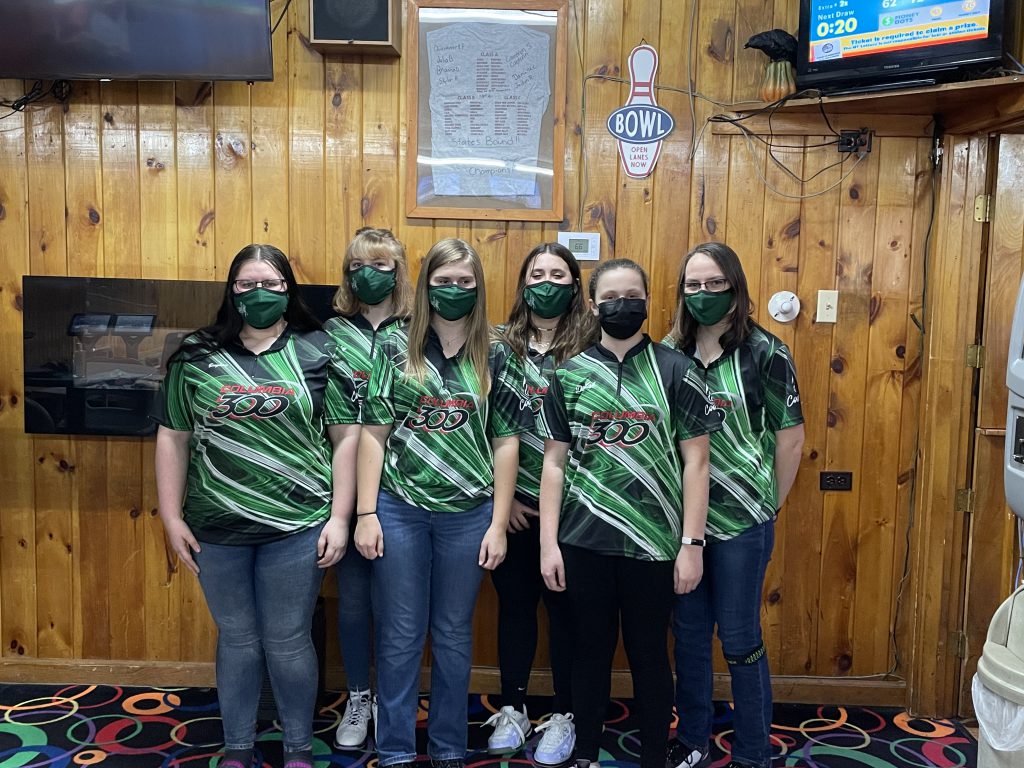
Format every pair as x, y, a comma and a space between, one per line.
785, 688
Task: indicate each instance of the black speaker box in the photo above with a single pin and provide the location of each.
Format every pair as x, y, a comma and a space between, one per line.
356, 26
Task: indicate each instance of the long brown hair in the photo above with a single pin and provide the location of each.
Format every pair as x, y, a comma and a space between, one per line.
684, 326
478, 335
576, 327
368, 244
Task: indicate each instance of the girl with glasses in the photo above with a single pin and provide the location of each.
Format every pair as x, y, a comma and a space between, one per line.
754, 460
256, 424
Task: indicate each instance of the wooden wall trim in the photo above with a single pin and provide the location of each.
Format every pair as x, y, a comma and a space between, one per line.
787, 688
951, 312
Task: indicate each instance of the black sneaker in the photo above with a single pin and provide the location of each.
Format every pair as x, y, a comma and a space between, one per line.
678, 755
452, 763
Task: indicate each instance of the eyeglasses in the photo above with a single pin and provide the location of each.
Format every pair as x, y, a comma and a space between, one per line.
274, 284
714, 285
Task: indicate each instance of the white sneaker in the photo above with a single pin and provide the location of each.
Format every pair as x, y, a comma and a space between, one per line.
511, 728
558, 742
351, 732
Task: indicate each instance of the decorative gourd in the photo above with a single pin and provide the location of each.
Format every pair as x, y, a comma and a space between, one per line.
778, 81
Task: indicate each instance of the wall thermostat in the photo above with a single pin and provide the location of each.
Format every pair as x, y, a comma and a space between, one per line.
585, 246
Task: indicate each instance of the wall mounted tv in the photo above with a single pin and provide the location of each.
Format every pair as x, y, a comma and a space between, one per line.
96, 349
136, 40
845, 43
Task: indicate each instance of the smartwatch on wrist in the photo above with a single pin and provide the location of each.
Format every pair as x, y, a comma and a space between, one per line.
693, 542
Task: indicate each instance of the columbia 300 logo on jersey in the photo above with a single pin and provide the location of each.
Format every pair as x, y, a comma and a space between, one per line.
239, 401
438, 414
626, 428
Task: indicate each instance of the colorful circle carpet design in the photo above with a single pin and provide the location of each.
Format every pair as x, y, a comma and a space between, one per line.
116, 727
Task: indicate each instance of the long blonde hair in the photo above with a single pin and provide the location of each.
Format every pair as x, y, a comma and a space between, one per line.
368, 244
478, 336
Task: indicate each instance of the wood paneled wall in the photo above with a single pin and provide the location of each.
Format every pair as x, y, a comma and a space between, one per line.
169, 180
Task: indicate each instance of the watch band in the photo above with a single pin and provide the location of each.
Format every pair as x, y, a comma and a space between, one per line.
694, 542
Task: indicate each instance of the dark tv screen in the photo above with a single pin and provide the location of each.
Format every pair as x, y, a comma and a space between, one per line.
136, 40
96, 349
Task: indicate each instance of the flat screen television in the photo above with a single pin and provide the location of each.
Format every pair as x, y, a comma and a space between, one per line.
136, 40
96, 348
845, 43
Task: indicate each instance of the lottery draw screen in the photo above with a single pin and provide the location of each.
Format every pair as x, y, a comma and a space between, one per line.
840, 29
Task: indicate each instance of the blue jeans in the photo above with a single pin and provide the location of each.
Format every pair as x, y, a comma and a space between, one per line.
262, 599
729, 595
428, 578
354, 615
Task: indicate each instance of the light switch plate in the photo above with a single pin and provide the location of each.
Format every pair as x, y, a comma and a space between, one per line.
585, 246
828, 307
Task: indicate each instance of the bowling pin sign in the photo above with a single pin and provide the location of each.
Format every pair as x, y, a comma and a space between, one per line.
641, 125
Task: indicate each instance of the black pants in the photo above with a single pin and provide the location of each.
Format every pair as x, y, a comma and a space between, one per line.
604, 590
520, 588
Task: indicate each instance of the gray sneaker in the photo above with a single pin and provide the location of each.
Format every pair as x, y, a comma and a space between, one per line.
558, 742
511, 727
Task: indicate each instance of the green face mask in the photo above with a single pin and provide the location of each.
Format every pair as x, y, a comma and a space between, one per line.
548, 299
708, 308
371, 285
261, 308
452, 301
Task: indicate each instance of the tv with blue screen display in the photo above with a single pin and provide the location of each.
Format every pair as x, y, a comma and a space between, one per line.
136, 40
845, 43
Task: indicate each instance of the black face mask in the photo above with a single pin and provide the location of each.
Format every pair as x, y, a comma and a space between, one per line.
622, 318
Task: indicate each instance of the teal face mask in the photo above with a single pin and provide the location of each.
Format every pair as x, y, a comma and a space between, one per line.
708, 308
261, 308
452, 301
371, 285
548, 299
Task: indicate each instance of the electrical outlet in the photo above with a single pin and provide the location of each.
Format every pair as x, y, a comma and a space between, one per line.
836, 481
858, 141
585, 246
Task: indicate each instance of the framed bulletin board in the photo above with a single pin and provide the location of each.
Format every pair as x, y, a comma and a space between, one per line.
486, 107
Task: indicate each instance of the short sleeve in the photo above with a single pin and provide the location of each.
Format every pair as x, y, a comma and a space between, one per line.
173, 407
379, 405
510, 411
693, 413
553, 423
781, 394
341, 401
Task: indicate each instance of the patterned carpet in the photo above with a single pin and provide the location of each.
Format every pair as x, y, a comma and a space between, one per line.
161, 728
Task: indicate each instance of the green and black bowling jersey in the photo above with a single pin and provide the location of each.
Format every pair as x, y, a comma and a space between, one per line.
438, 455
356, 343
754, 386
539, 368
260, 465
623, 422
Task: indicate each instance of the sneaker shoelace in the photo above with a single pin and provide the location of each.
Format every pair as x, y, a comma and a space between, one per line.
502, 717
357, 710
556, 721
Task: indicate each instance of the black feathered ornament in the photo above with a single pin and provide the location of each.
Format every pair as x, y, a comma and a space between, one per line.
779, 46
776, 44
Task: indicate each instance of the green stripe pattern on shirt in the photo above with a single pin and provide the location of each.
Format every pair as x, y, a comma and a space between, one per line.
356, 342
623, 422
260, 464
754, 386
438, 455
